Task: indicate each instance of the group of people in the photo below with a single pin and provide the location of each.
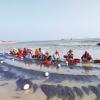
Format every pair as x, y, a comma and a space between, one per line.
86, 57
46, 57
21, 53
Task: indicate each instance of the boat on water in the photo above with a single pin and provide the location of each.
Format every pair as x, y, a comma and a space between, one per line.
7, 42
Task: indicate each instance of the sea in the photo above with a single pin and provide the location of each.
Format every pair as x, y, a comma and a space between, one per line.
79, 46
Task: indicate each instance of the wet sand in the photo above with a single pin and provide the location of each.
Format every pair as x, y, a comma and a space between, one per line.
64, 83
8, 91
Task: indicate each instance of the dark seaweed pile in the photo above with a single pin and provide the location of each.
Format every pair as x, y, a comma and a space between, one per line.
64, 92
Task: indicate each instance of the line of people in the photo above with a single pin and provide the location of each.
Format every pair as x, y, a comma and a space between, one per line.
47, 58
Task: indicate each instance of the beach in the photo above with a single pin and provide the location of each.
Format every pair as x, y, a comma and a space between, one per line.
81, 82
8, 92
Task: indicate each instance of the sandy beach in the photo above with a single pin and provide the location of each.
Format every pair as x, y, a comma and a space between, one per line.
8, 91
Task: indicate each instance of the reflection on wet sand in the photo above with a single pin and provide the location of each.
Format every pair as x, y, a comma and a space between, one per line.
87, 68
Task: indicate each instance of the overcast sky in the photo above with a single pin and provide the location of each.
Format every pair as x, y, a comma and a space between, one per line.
49, 19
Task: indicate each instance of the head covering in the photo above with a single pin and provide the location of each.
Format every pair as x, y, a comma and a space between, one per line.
47, 53
70, 51
56, 52
39, 49
86, 52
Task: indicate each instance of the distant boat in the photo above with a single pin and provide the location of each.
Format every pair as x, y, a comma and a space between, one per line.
71, 39
98, 44
62, 39
7, 42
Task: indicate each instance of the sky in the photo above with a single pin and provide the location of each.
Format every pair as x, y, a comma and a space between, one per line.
29, 20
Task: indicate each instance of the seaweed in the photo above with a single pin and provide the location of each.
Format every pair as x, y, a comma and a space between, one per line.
78, 91
86, 90
96, 91
49, 90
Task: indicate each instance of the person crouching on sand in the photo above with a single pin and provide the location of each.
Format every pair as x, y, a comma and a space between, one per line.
47, 61
24, 52
29, 53
47, 55
69, 55
42, 54
86, 57
20, 54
